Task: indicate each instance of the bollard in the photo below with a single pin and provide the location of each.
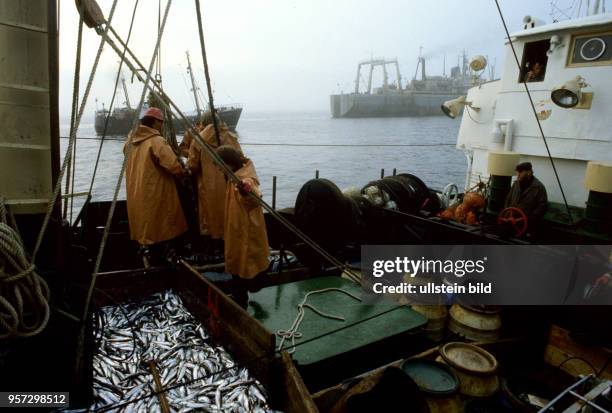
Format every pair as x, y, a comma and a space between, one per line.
382, 173
317, 174
274, 192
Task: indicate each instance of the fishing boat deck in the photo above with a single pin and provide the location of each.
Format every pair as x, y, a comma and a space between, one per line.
369, 333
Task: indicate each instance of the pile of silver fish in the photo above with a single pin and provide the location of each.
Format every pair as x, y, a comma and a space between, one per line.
160, 336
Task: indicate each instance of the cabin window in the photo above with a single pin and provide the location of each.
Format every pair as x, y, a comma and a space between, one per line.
591, 50
535, 58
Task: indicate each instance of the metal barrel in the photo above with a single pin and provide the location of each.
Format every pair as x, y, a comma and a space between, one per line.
598, 212
498, 190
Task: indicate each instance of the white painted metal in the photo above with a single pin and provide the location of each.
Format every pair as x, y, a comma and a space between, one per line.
575, 136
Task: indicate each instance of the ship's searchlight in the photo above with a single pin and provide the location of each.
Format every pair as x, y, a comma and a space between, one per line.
478, 63
569, 94
452, 108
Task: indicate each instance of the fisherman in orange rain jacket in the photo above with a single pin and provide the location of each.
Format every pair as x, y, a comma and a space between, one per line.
154, 210
246, 240
188, 140
211, 181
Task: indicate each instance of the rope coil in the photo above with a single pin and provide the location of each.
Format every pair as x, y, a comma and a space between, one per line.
24, 295
293, 332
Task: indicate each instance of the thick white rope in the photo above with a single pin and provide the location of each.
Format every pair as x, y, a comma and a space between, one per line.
24, 295
293, 333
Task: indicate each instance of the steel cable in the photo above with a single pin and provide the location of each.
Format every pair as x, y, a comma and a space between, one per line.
535, 114
125, 158
106, 121
211, 104
168, 104
75, 102
79, 360
68, 155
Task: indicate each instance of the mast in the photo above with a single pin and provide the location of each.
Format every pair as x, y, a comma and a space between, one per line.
423, 74
125, 92
416, 71
193, 85
444, 66
596, 7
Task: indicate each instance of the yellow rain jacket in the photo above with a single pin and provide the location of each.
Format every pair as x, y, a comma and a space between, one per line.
211, 181
154, 209
246, 240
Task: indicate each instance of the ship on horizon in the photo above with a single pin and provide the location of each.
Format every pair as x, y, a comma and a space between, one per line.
420, 97
121, 119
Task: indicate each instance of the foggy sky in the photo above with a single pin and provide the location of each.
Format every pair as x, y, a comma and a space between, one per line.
289, 55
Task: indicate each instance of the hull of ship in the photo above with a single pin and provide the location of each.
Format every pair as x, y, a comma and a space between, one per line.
122, 126
380, 106
229, 116
116, 126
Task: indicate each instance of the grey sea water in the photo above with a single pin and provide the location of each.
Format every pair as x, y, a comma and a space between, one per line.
348, 165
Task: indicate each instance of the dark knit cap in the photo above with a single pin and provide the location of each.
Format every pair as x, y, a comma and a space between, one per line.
524, 166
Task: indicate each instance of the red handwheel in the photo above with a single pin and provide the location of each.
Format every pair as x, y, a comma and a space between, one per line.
516, 218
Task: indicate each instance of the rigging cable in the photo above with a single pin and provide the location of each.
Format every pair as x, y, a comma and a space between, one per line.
535, 114
211, 104
313, 145
188, 126
120, 180
75, 103
106, 121
169, 104
67, 157
84, 317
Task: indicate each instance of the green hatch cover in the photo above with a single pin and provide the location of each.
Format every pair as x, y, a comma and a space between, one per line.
276, 308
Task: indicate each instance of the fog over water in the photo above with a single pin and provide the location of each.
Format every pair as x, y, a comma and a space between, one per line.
289, 55
281, 59
348, 166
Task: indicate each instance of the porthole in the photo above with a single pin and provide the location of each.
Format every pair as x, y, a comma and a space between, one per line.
593, 49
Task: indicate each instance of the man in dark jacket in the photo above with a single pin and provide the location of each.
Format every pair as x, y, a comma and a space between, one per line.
528, 194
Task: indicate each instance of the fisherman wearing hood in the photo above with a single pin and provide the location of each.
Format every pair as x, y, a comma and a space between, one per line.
211, 181
246, 240
154, 210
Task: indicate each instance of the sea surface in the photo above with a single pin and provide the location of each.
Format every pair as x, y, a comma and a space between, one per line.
349, 164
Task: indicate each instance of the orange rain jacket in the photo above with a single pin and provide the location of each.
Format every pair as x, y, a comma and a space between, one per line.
154, 208
246, 240
211, 181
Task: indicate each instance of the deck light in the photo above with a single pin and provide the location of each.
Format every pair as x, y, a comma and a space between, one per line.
569, 94
452, 108
478, 63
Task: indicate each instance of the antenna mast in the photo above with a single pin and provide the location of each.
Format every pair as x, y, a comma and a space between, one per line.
125, 92
193, 84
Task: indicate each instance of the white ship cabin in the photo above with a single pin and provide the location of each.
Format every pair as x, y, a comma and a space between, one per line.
574, 60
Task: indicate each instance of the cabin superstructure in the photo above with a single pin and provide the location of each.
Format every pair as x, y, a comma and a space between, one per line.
570, 53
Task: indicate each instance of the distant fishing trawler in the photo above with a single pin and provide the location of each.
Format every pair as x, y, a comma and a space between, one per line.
419, 98
120, 120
